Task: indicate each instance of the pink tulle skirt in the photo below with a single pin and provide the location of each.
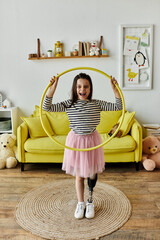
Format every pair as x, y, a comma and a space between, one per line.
83, 164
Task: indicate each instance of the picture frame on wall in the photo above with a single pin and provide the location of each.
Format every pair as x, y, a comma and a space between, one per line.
136, 54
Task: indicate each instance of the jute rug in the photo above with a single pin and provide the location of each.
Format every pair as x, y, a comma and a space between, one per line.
48, 211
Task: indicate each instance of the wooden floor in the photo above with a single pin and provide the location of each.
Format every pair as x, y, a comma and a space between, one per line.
142, 188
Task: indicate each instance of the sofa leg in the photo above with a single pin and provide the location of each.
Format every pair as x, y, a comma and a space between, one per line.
137, 166
22, 167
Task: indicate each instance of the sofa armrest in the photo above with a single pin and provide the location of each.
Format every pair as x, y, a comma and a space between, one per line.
22, 135
136, 133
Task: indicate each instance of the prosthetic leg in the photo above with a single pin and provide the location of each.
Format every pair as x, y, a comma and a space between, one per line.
91, 184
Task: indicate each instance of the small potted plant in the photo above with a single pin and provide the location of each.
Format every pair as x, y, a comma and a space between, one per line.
49, 53
75, 50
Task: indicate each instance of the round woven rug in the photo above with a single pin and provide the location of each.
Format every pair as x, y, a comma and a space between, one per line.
48, 211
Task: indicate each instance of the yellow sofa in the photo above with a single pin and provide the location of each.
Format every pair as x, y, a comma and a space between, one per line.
34, 146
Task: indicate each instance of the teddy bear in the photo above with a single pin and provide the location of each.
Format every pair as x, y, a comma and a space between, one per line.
151, 153
114, 128
8, 151
94, 50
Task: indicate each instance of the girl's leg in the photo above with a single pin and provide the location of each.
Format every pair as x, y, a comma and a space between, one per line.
80, 188
89, 206
79, 212
91, 184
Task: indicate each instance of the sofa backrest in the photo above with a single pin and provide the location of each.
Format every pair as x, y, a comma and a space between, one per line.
60, 123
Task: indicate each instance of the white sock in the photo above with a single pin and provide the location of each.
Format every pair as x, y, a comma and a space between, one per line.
79, 203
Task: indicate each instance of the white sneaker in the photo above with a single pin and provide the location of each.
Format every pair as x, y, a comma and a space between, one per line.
89, 210
79, 213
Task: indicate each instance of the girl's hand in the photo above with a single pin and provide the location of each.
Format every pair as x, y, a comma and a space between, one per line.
113, 85
52, 88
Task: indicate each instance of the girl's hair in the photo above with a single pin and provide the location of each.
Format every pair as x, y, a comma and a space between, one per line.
74, 96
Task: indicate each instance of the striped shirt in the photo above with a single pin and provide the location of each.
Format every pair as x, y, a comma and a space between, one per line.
84, 115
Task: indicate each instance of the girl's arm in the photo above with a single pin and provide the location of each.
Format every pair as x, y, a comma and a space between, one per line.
108, 106
58, 107
52, 88
47, 103
115, 90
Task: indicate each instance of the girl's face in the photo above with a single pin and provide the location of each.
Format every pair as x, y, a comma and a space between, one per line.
83, 89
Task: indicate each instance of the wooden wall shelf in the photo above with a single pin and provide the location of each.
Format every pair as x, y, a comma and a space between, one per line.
44, 58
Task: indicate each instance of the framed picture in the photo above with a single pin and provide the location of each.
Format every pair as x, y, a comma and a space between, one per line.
136, 49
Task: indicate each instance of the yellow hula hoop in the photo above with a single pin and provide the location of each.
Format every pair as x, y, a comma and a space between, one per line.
84, 149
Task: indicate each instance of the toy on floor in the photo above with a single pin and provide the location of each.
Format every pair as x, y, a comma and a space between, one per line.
8, 151
151, 153
112, 131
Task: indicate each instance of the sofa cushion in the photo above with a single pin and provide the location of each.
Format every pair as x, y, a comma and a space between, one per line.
127, 122
35, 128
108, 120
58, 120
118, 145
46, 145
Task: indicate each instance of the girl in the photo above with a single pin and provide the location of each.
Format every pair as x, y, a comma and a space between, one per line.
84, 116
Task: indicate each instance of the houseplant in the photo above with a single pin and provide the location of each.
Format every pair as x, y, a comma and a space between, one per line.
49, 53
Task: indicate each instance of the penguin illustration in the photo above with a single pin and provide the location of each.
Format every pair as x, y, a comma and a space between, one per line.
140, 59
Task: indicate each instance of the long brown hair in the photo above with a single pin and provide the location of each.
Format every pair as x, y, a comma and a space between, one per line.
74, 96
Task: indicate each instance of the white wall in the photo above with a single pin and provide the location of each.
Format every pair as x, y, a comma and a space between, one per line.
23, 21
